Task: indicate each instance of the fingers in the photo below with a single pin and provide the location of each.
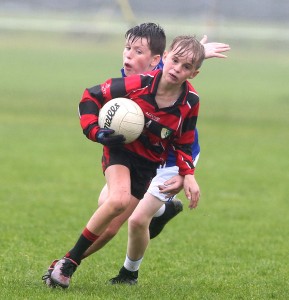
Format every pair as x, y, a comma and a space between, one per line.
162, 187
170, 181
168, 191
194, 198
106, 131
216, 50
204, 39
171, 189
221, 49
219, 55
193, 203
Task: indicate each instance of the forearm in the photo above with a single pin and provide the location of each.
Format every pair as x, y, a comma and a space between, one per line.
88, 110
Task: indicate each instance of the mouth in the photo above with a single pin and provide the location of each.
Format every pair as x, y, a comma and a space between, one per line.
174, 77
127, 66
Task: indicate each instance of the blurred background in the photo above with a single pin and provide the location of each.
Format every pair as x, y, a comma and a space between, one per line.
257, 20
235, 245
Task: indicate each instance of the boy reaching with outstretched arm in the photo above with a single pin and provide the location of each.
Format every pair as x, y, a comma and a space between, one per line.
144, 47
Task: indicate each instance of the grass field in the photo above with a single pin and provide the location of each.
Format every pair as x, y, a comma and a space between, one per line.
234, 246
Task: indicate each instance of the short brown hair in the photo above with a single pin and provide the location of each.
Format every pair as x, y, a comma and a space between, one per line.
188, 43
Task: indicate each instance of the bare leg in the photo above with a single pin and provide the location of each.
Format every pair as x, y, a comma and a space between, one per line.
114, 225
118, 183
138, 239
119, 197
138, 226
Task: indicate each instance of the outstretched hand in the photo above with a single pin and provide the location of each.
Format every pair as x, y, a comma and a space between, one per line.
214, 49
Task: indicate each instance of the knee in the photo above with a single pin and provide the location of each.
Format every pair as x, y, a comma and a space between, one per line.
135, 223
117, 206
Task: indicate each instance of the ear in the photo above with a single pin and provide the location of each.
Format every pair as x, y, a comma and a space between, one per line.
165, 56
155, 60
194, 74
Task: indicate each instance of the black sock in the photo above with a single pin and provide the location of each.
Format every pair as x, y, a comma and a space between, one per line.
158, 223
168, 213
125, 272
85, 240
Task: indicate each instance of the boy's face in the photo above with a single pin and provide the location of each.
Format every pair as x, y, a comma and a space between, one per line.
137, 57
178, 69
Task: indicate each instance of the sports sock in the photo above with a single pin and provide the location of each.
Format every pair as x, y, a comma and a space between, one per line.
169, 212
160, 211
157, 224
85, 240
132, 265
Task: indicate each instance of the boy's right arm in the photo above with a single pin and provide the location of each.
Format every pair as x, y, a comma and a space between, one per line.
94, 98
88, 110
92, 101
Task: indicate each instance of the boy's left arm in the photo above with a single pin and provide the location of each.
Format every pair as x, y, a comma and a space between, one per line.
192, 190
182, 146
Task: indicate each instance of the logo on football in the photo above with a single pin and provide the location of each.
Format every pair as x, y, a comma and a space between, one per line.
124, 116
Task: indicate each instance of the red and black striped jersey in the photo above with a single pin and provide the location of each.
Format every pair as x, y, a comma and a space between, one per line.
171, 126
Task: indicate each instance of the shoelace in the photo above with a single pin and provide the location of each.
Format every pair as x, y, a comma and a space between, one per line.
45, 276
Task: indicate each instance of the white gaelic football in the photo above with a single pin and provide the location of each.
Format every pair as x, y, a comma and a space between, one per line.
124, 116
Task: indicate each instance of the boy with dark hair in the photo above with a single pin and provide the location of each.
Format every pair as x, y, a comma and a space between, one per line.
144, 47
168, 101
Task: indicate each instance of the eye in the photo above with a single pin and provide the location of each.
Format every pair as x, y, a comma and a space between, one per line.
188, 67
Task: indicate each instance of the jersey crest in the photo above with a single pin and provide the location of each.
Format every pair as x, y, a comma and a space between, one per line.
165, 132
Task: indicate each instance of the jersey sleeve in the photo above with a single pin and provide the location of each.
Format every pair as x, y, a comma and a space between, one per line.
182, 145
94, 98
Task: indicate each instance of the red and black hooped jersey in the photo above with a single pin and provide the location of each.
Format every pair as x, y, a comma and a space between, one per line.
166, 127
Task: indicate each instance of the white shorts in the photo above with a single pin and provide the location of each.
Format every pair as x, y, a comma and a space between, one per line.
164, 174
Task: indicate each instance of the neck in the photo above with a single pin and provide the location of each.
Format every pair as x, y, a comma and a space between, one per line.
167, 95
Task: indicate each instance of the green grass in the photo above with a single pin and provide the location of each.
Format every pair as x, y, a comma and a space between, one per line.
234, 246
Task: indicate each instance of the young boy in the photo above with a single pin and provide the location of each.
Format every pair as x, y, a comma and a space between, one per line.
179, 62
144, 47
169, 102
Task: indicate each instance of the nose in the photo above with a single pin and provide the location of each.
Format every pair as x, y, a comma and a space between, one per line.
177, 67
127, 53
